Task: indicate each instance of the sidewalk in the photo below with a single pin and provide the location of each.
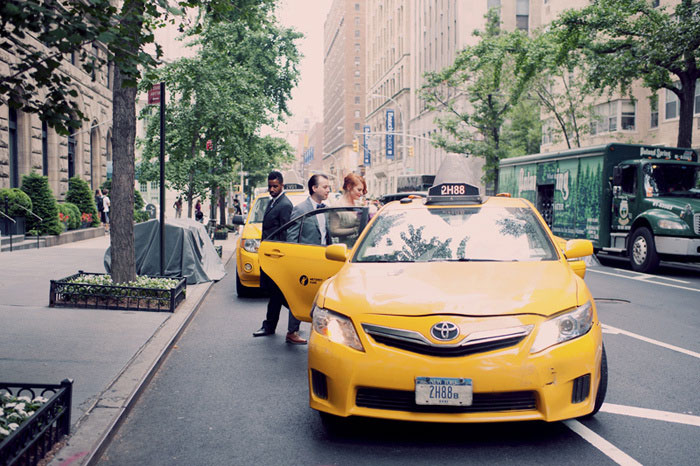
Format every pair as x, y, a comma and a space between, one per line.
108, 354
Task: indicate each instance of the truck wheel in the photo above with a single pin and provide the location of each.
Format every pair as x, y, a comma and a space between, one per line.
642, 251
241, 290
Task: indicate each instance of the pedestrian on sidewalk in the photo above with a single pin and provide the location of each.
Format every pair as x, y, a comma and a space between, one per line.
98, 204
106, 203
178, 207
278, 212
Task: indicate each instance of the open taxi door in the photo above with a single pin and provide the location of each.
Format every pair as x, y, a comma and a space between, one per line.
299, 265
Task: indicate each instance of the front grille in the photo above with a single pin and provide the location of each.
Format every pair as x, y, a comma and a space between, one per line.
696, 222
581, 389
319, 384
478, 342
402, 400
446, 350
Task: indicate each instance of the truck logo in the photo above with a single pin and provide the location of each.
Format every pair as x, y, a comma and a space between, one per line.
562, 183
526, 182
624, 212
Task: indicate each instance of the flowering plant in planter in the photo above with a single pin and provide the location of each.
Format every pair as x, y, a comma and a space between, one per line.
16, 410
85, 220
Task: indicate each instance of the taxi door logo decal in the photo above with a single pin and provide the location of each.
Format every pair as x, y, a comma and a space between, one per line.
444, 331
304, 280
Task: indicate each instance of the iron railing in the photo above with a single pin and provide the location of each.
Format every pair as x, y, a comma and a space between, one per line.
42, 430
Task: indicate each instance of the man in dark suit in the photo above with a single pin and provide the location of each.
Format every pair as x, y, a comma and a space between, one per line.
314, 229
277, 214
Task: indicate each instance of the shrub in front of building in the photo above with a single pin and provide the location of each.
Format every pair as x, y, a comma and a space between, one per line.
12, 200
69, 215
43, 204
80, 194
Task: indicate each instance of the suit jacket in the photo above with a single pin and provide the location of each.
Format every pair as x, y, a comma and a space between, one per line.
276, 217
310, 231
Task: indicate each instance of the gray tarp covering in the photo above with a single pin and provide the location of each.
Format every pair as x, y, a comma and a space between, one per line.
189, 252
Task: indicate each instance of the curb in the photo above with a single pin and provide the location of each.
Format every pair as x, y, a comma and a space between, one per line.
97, 426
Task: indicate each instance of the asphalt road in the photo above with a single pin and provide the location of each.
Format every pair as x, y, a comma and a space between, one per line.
224, 397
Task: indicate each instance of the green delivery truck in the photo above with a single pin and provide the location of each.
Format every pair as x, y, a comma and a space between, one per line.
634, 200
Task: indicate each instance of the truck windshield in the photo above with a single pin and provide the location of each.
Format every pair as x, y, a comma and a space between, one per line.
671, 180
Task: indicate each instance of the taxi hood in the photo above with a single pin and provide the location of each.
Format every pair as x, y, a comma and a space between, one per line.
252, 231
459, 288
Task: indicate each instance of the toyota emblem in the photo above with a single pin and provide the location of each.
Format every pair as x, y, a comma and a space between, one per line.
444, 331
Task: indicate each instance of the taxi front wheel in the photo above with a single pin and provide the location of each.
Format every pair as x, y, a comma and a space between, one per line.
602, 387
241, 290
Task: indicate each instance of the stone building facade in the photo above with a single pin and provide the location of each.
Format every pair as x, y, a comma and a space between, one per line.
28, 145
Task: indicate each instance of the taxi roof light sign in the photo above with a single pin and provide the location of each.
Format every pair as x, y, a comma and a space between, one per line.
449, 186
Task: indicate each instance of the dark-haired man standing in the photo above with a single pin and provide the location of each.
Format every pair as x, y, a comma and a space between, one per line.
277, 214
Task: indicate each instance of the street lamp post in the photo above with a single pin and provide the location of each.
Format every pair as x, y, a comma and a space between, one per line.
403, 127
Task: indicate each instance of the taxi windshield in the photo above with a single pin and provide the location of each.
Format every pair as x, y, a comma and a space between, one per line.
456, 234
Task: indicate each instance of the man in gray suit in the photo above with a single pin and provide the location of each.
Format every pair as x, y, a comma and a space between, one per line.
314, 229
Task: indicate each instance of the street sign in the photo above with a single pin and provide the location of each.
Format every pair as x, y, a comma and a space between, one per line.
154, 95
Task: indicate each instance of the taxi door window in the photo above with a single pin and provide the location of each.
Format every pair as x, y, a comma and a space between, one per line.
342, 225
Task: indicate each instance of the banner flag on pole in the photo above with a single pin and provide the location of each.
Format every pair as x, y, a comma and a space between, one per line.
390, 136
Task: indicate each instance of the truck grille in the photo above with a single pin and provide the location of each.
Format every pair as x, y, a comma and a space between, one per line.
403, 400
696, 222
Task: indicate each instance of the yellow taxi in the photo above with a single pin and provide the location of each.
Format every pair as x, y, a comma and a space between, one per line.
247, 265
450, 308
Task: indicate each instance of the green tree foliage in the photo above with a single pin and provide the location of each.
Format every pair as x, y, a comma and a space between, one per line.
522, 133
43, 204
79, 194
239, 80
624, 41
14, 202
492, 80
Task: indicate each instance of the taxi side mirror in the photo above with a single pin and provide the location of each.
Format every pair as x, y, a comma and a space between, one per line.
337, 252
576, 248
238, 220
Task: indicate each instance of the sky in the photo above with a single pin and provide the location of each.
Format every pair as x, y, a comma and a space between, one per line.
307, 17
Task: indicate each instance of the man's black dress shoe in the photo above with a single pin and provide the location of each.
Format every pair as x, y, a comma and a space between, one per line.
263, 332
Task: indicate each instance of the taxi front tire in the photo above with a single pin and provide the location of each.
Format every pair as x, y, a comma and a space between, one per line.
241, 290
602, 386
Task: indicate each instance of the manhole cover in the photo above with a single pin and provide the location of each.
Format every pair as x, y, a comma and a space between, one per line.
611, 301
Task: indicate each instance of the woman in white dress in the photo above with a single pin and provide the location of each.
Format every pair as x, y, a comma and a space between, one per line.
346, 225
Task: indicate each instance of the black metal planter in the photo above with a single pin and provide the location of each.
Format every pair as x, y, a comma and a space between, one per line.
41, 431
65, 294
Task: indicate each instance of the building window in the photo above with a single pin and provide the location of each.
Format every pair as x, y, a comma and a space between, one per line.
143, 187
44, 148
655, 3
493, 4
357, 100
654, 105
357, 20
14, 155
109, 76
357, 33
95, 62
357, 126
697, 98
610, 116
357, 114
154, 185
71, 155
357, 7
357, 73
672, 105
73, 57
522, 14
547, 131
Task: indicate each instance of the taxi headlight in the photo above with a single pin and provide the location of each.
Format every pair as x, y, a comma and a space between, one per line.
564, 327
251, 245
336, 328
671, 225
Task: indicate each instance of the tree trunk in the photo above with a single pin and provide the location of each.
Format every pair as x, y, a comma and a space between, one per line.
685, 122
122, 196
222, 207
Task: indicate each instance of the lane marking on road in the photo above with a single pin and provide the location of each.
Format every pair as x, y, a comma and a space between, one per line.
645, 280
607, 448
654, 414
618, 331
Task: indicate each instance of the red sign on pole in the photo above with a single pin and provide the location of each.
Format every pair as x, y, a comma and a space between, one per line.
154, 95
